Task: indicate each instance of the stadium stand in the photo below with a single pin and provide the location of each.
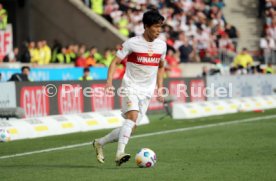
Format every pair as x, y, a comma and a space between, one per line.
268, 40
195, 32
201, 24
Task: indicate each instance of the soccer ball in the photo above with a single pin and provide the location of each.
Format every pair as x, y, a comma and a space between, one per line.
4, 135
145, 158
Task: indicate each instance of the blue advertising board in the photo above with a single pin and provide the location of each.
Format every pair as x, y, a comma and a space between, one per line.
56, 74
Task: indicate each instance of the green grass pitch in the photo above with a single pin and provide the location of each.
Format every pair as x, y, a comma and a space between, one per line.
242, 151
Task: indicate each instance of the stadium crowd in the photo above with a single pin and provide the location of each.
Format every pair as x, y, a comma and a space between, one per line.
40, 53
267, 10
195, 31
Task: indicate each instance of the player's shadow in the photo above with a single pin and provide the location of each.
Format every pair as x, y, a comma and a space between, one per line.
43, 166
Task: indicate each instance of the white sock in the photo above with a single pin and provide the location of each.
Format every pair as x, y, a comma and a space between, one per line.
124, 136
111, 137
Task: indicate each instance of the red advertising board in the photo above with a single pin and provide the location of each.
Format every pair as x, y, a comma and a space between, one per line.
178, 90
86, 96
70, 99
34, 101
100, 101
197, 89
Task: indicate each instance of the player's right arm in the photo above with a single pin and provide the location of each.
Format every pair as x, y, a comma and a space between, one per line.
111, 71
120, 55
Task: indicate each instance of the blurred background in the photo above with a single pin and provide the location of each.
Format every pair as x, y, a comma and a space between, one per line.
204, 37
76, 40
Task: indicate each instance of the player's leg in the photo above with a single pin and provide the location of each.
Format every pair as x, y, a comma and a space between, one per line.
111, 137
128, 103
134, 118
143, 107
98, 144
130, 108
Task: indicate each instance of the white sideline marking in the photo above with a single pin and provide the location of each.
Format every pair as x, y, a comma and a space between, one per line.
144, 135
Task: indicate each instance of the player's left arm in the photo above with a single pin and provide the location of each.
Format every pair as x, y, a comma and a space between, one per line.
160, 75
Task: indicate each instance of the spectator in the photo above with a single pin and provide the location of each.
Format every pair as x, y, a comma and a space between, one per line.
271, 30
269, 69
123, 25
56, 49
138, 28
81, 60
109, 7
86, 75
267, 46
180, 40
41, 53
243, 60
96, 55
75, 52
173, 69
97, 6
90, 60
64, 56
116, 15
261, 8
24, 54
219, 3
233, 33
202, 39
23, 76
33, 52
225, 42
107, 59
185, 50
47, 52
211, 52
171, 58
3, 18
13, 56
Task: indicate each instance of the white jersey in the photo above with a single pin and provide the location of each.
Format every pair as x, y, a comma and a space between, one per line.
143, 59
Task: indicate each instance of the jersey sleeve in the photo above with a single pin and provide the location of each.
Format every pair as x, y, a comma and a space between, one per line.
124, 51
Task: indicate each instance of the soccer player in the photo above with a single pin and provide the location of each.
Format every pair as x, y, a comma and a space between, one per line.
144, 70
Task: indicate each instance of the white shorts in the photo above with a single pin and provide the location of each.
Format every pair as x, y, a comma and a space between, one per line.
133, 102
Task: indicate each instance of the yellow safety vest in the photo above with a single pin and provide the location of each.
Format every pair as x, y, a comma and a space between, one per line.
3, 23
269, 70
88, 78
64, 58
97, 6
243, 60
34, 55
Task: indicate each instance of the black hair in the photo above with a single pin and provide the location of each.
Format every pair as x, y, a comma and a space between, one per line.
86, 69
152, 17
25, 67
